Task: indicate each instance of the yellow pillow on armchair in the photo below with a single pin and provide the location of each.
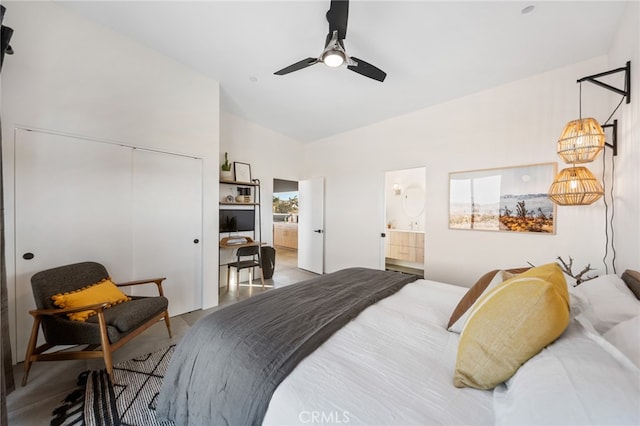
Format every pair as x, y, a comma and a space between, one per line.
104, 291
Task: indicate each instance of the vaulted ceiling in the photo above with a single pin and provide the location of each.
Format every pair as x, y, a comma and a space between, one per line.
432, 51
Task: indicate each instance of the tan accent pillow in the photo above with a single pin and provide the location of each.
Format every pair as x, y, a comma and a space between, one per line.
101, 292
632, 280
510, 324
475, 292
498, 278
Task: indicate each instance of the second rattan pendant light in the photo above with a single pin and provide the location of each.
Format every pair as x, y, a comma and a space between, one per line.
575, 186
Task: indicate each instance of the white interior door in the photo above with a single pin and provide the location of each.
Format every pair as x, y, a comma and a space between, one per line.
72, 204
311, 225
167, 226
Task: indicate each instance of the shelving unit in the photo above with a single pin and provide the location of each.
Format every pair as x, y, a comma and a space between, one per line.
230, 188
254, 204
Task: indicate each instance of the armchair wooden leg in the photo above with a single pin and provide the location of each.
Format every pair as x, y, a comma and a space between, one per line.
167, 323
106, 346
33, 339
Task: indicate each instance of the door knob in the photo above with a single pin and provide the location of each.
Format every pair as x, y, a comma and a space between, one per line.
28, 256
196, 241
319, 231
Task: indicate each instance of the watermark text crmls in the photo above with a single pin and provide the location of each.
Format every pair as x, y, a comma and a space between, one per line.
324, 417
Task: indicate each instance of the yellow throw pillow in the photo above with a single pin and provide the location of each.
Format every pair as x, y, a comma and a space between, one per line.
510, 324
104, 291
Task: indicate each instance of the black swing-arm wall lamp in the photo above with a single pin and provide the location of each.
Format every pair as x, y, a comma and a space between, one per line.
626, 93
581, 142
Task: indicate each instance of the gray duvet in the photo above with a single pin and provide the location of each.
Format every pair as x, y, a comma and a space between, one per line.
226, 368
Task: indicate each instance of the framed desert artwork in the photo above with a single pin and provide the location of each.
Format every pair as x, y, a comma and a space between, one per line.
509, 199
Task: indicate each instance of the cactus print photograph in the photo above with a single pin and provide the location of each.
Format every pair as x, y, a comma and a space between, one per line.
510, 199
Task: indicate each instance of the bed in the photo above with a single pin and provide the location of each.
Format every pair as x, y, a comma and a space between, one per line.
368, 347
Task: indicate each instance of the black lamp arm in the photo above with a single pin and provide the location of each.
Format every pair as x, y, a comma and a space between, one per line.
627, 81
614, 138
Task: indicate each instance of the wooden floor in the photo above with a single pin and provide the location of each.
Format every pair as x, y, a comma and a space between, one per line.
50, 382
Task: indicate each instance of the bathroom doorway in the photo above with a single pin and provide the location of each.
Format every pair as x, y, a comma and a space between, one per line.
285, 221
404, 220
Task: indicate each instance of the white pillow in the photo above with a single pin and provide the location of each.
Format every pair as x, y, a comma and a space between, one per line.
610, 300
498, 278
626, 337
573, 381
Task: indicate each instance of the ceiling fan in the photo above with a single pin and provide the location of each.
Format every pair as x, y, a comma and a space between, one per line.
334, 53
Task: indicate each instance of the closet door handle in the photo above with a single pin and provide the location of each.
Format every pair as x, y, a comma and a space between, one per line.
28, 256
319, 231
196, 241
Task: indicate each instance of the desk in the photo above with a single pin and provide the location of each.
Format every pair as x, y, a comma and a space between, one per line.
247, 244
224, 243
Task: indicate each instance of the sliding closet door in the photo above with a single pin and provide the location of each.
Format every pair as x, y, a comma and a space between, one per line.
137, 212
167, 226
72, 204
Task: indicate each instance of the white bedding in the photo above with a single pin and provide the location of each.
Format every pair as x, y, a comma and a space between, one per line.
392, 365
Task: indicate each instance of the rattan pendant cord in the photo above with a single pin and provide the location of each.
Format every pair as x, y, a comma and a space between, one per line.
575, 186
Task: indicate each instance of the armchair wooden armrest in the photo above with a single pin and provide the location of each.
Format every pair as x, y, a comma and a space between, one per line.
157, 281
98, 307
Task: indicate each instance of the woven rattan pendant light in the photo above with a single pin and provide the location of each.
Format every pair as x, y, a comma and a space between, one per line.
581, 141
575, 186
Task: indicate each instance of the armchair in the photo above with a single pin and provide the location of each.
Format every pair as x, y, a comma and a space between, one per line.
101, 334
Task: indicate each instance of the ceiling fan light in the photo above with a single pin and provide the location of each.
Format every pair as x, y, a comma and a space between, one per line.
581, 141
333, 58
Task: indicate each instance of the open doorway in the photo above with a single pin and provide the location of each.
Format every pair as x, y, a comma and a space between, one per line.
285, 221
405, 203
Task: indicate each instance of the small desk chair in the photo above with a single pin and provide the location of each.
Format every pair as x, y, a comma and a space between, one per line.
253, 261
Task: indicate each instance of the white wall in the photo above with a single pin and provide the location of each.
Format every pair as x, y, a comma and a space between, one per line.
626, 47
72, 76
270, 154
510, 125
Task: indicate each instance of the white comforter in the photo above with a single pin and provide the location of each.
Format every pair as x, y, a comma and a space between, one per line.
392, 365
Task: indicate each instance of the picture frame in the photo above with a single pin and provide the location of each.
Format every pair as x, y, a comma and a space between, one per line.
242, 172
507, 199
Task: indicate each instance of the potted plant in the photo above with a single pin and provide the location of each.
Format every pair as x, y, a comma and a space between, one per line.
225, 169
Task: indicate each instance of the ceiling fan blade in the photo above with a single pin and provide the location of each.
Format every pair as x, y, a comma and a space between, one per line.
297, 66
367, 69
337, 16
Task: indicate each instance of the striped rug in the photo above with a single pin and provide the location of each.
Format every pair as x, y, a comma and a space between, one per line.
130, 400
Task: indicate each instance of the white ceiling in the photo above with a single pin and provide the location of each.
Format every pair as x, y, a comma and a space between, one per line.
432, 51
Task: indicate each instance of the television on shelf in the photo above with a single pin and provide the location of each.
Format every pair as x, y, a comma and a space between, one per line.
237, 220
